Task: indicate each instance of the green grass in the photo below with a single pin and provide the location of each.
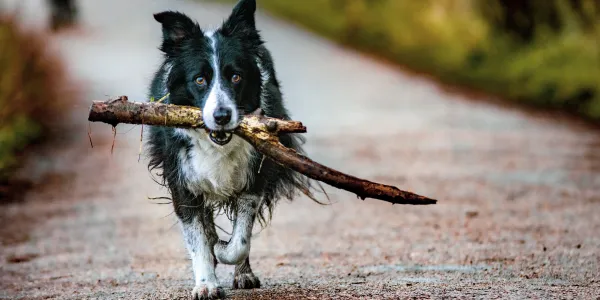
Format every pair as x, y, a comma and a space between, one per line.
454, 40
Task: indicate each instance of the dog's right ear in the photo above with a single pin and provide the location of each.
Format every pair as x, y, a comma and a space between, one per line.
242, 18
176, 27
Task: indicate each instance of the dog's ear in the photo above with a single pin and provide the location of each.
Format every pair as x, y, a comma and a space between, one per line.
176, 27
241, 19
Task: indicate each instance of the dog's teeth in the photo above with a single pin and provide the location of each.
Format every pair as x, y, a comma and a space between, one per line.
220, 137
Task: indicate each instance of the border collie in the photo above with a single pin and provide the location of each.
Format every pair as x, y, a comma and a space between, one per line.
227, 73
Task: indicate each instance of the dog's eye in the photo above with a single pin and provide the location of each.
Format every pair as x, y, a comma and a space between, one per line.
200, 80
236, 78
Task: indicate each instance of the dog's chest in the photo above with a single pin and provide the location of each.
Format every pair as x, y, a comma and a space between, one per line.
215, 171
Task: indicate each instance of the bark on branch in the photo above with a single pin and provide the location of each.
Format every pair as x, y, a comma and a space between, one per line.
261, 132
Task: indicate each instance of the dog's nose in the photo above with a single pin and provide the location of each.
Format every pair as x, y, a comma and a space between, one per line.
222, 115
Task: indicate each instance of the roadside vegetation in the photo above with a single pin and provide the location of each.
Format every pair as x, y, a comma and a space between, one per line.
539, 52
31, 78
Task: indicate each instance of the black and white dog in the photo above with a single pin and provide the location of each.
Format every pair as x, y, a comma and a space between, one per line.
227, 72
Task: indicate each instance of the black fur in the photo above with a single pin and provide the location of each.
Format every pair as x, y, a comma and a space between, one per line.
188, 51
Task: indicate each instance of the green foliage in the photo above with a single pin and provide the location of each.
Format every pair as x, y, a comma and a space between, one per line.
15, 134
458, 41
30, 102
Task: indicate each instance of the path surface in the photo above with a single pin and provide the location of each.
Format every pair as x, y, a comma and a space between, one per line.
518, 217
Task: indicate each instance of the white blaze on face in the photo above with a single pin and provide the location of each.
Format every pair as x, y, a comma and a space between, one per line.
217, 96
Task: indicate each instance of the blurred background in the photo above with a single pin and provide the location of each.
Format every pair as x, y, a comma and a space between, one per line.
537, 52
492, 107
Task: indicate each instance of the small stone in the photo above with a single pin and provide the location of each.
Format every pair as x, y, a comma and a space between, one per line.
472, 214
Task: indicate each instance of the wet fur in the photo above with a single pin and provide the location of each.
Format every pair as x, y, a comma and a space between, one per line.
204, 179
165, 144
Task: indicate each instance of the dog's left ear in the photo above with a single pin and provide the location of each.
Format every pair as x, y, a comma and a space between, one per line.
241, 19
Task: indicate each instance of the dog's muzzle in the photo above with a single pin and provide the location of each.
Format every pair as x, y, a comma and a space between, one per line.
220, 137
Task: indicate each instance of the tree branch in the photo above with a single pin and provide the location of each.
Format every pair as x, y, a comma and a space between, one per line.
261, 132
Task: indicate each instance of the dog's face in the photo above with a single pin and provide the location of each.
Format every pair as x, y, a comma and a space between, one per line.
216, 71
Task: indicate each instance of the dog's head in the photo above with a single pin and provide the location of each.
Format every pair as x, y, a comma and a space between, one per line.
216, 71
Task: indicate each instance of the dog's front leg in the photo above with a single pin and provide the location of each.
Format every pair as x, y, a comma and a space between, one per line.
237, 250
200, 237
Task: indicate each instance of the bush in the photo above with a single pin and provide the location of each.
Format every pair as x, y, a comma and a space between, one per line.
31, 78
462, 42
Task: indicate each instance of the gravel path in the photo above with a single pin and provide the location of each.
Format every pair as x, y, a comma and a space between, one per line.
519, 192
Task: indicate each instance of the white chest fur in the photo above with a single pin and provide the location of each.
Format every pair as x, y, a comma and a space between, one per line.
215, 171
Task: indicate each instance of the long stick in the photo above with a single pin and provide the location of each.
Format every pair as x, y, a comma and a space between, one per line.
261, 132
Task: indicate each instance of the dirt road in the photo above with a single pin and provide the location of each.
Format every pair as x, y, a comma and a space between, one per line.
518, 216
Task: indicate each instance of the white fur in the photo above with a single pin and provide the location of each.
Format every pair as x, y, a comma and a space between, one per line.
238, 247
217, 96
210, 168
200, 250
167, 72
264, 76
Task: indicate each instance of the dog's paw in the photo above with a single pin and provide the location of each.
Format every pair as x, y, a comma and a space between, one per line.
208, 291
246, 281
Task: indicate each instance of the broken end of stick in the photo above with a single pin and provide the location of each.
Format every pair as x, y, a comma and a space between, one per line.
423, 201
99, 112
394, 195
403, 200
412, 199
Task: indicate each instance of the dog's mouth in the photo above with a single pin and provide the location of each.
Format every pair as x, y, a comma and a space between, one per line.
220, 137
223, 137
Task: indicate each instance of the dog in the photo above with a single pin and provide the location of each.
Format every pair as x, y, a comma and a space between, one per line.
227, 72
